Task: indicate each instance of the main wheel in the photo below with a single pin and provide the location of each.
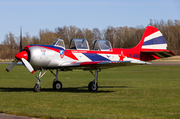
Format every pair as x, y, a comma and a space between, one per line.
57, 85
92, 86
37, 88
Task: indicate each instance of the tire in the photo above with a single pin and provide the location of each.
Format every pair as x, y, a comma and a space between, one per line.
37, 88
92, 87
57, 85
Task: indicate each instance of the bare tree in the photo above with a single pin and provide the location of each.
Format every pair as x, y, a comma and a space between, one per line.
96, 34
47, 37
110, 34
89, 36
120, 37
11, 47
64, 33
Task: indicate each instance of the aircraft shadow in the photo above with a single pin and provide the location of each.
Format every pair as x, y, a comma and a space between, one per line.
69, 89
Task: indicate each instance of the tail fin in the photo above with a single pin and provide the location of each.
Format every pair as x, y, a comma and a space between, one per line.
153, 45
152, 39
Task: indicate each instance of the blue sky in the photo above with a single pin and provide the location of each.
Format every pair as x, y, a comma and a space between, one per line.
34, 15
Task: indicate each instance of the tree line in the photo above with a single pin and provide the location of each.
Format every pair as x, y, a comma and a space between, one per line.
120, 37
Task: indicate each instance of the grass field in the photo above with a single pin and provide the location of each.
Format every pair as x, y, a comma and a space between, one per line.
126, 92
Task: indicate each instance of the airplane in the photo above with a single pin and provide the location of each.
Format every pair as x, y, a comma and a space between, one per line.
79, 56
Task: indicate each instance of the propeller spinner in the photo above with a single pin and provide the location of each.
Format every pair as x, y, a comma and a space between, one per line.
21, 56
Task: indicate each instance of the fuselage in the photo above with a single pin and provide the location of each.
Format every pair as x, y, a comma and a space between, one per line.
49, 56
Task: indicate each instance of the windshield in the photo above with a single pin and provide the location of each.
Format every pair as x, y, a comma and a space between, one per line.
54, 42
79, 44
102, 45
59, 42
105, 45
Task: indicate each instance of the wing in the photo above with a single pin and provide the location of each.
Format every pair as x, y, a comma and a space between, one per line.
99, 64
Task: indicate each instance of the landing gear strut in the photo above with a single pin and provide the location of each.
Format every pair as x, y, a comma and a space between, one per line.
37, 87
57, 85
93, 86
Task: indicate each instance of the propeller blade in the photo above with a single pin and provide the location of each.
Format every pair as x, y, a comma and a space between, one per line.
27, 65
20, 45
11, 65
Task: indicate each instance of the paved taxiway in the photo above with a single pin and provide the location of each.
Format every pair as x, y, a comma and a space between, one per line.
10, 116
166, 63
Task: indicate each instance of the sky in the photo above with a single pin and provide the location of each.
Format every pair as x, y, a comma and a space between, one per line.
34, 15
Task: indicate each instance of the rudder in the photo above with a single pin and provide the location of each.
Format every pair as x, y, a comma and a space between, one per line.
152, 39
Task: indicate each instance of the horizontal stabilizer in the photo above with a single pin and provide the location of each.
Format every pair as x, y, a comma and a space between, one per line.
152, 55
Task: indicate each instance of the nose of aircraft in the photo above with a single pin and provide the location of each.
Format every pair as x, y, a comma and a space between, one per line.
22, 54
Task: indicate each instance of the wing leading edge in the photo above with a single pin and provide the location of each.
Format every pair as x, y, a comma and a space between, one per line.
100, 64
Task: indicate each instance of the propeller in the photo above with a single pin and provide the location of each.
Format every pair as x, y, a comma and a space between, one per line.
21, 56
27, 65
12, 65
20, 46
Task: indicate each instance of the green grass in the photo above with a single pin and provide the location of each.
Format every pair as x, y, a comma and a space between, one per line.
125, 92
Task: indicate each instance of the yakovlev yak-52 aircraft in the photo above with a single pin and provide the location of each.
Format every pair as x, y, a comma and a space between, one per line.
78, 56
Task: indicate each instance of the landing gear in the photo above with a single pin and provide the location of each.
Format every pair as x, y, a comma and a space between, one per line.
37, 87
57, 85
93, 86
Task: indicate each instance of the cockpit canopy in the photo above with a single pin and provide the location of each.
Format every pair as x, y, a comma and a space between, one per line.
79, 44
82, 44
102, 45
59, 42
